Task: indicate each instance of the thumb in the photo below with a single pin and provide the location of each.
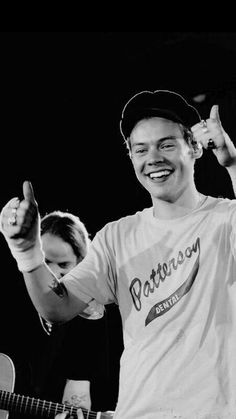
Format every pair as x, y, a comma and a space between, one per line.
214, 113
28, 191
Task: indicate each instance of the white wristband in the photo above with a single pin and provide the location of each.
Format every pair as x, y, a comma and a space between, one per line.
29, 259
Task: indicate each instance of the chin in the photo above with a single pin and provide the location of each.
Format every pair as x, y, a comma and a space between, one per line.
162, 195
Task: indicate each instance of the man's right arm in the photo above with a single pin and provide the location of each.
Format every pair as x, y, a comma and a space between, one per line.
50, 297
20, 225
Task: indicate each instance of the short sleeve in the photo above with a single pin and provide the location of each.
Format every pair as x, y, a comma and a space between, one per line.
94, 279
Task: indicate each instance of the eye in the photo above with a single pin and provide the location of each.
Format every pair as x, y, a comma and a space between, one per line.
63, 265
167, 146
140, 150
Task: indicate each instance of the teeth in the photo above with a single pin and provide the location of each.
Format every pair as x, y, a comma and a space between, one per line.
159, 174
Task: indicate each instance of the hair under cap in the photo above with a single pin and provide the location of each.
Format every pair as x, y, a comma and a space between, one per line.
162, 103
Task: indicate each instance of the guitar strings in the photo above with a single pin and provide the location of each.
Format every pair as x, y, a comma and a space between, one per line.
37, 404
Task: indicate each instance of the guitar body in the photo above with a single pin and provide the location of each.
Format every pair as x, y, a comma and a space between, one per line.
7, 378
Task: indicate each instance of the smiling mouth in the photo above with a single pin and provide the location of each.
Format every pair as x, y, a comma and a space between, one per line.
160, 175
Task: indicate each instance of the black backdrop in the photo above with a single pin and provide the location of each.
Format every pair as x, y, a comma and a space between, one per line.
61, 96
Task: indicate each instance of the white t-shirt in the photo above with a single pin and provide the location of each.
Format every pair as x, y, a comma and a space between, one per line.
175, 283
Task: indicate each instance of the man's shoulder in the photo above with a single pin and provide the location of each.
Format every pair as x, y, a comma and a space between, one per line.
221, 201
220, 205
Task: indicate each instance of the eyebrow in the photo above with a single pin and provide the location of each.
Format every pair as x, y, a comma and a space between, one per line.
169, 137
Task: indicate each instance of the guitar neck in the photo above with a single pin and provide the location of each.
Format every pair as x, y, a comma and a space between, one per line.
24, 404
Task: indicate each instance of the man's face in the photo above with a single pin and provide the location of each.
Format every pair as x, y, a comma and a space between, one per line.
162, 159
59, 255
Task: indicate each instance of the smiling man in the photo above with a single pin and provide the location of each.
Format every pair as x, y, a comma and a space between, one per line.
163, 161
163, 150
170, 267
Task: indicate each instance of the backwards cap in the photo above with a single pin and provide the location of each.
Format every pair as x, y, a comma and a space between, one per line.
162, 103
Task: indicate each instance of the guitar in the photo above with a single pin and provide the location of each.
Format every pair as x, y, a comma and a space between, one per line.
16, 403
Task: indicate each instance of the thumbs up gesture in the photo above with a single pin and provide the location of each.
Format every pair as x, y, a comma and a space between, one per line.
210, 134
20, 225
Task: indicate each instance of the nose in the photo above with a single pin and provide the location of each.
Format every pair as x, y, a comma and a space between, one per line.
155, 156
58, 272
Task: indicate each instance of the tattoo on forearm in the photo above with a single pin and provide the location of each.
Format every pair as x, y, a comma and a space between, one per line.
58, 288
77, 400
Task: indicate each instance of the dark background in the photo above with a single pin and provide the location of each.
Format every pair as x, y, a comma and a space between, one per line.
61, 97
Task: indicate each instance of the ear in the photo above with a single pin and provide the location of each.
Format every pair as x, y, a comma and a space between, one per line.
197, 151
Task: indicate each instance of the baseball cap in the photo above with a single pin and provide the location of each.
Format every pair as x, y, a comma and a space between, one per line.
162, 103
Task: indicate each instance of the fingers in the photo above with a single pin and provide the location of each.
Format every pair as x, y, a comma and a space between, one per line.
62, 415
201, 134
67, 415
214, 113
8, 216
210, 130
18, 217
109, 414
80, 414
14, 202
28, 191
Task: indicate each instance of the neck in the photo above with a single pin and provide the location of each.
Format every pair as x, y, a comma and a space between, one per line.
178, 207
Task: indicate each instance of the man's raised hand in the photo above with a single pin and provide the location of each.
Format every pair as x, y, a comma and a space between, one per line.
20, 225
211, 132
